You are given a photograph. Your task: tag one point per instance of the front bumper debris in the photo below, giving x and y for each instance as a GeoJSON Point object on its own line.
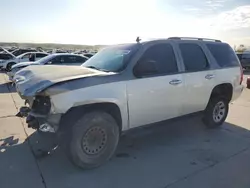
{"type": "Point", "coordinates": [23, 112]}
{"type": "Point", "coordinates": [38, 121]}
{"type": "Point", "coordinates": [11, 76]}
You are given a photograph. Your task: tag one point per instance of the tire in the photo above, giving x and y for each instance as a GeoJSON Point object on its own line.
{"type": "Point", "coordinates": [93, 140]}
{"type": "Point", "coordinates": [9, 65]}
{"type": "Point", "coordinates": [216, 112]}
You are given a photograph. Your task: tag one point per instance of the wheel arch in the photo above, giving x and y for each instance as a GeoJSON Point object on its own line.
{"type": "Point", "coordinates": [224, 90]}
{"type": "Point", "coordinates": [75, 112]}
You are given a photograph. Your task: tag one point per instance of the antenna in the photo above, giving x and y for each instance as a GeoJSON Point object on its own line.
{"type": "Point", "coordinates": [138, 39]}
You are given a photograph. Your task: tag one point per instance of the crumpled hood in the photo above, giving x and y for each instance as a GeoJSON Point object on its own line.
{"type": "Point", "coordinates": [34, 79]}
{"type": "Point", "coordinates": [23, 64]}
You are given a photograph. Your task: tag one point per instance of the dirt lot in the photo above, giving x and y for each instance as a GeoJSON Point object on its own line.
{"type": "Point", "coordinates": [175, 154]}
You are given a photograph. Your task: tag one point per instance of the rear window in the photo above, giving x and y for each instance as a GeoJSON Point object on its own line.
{"type": "Point", "coordinates": [223, 54]}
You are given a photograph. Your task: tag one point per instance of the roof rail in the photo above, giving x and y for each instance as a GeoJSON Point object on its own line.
{"type": "Point", "coordinates": [194, 38]}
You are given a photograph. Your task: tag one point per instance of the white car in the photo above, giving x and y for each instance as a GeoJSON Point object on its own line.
{"type": "Point", "coordinates": [127, 86]}
{"type": "Point", "coordinates": [28, 56]}
{"type": "Point", "coordinates": [53, 59]}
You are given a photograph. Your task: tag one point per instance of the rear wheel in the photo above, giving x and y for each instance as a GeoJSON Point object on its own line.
{"type": "Point", "coordinates": [9, 65]}
{"type": "Point", "coordinates": [216, 112]}
{"type": "Point", "coordinates": [93, 139]}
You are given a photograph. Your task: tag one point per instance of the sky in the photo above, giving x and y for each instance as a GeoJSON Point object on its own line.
{"type": "Point", "coordinates": [121, 21]}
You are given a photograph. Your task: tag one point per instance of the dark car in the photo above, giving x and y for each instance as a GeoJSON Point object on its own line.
{"type": "Point", "coordinates": [53, 59]}
{"type": "Point", "coordinates": [18, 52]}
{"type": "Point", "coordinates": [244, 59]}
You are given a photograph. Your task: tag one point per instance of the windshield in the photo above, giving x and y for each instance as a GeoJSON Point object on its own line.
{"type": "Point", "coordinates": [20, 56]}
{"type": "Point", "coordinates": [112, 59]}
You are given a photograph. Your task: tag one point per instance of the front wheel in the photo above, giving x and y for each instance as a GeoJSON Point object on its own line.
{"type": "Point", "coordinates": [216, 112]}
{"type": "Point", "coordinates": [9, 65]}
{"type": "Point", "coordinates": [93, 139]}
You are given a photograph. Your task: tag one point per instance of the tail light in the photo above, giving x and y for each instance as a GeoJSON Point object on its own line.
{"type": "Point", "coordinates": [241, 74]}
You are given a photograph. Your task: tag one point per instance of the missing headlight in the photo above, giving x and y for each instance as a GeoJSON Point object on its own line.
{"type": "Point", "coordinates": [41, 105]}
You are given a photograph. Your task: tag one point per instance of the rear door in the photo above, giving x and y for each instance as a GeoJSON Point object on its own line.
{"type": "Point", "coordinates": [198, 75]}
{"type": "Point", "coordinates": [155, 96]}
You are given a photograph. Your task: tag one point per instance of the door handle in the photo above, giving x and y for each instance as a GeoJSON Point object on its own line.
{"type": "Point", "coordinates": [175, 82]}
{"type": "Point", "coordinates": [209, 76]}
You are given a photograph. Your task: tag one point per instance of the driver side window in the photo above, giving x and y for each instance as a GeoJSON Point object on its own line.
{"type": "Point", "coordinates": [157, 60]}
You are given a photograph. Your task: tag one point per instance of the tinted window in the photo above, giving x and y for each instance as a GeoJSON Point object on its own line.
{"type": "Point", "coordinates": [245, 56]}
{"type": "Point", "coordinates": [223, 54]}
{"type": "Point", "coordinates": [162, 55]}
{"type": "Point", "coordinates": [88, 55]}
{"type": "Point", "coordinates": [74, 59]}
{"type": "Point", "coordinates": [5, 56]}
{"type": "Point", "coordinates": [40, 55]}
{"type": "Point", "coordinates": [81, 59]}
{"type": "Point", "coordinates": [193, 57]}
{"type": "Point", "coordinates": [70, 59]}
{"type": "Point", "coordinates": [57, 60]}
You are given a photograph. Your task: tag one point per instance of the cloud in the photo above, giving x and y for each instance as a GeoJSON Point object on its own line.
{"type": "Point", "coordinates": [214, 4]}
{"type": "Point", "coordinates": [204, 8]}
{"type": "Point", "coordinates": [237, 18]}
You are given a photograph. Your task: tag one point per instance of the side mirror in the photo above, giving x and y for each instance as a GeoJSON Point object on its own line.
{"type": "Point", "coordinates": [145, 68]}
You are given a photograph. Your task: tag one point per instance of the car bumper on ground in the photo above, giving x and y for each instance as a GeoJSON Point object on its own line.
{"type": "Point", "coordinates": [44, 123]}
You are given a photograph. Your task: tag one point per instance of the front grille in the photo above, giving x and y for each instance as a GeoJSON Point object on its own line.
{"type": "Point", "coordinates": [41, 105]}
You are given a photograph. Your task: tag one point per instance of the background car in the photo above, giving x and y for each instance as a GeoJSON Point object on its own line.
{"type": "Point", "coordinates": [28, 56]}
{"type": "Point", "coordinates": [53, 59]}
{"type": "Point", "coordinates": [89, 55]}
{"type": "Point", "coordinates": [244, 59]}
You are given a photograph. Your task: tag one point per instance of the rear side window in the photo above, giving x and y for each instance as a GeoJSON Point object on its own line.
{"type": "Point", "coordinates": [70, 59]}
{"type": "Point", "coordinates": [81, 59]}
{"type": "Point", "coordinates": [223, 54]}
{"type": "Point", "coordinates": [193, 57]}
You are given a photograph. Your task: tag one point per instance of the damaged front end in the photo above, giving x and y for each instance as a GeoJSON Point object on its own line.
{"type": "Point", "coordinates": [38, 114]}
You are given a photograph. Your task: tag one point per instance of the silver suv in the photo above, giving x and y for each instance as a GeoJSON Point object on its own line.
{"type": "Point", "coordinates": [127, 86]}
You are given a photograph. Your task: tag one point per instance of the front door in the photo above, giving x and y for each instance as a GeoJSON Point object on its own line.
{"type": "Point", "coordinates": [155, 95]}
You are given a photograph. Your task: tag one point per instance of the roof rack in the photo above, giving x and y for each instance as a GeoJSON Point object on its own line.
{"type": "Point", "coordinates": [194, 38]}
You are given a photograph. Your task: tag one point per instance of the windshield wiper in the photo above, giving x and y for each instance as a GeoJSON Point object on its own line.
{"type": "Point", "coordinates": [93, 67]}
